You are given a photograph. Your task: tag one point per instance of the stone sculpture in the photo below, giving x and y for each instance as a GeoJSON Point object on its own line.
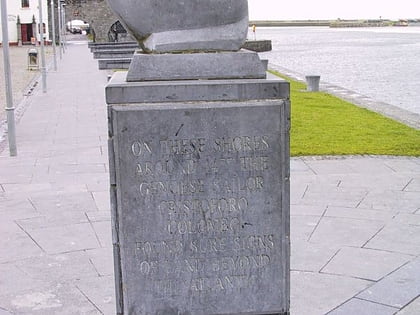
{"type": "Point", "coordinates": [162, 26]}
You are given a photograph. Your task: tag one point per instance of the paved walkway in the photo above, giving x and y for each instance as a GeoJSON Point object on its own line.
{"type": "Point", "coordinates": [355, 221]}
{"type": "Point", "coordinates": [21, 77]}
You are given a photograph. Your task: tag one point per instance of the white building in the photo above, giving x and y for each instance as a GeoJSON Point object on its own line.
{"type": "Point", "coordinates": [23, 21]}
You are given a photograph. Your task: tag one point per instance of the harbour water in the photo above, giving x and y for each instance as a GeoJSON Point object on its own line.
{"type": "Point", "coordinates": [382, 63]}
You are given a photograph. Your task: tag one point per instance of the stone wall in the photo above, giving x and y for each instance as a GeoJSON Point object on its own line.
{"type": "Point", "coordinates": [94, 12]}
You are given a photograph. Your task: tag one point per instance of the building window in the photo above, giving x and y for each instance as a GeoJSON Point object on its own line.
{"type": "Point", "coordinates": [25, 3]}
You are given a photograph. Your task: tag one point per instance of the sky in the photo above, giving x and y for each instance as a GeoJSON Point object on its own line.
{"type": "Point", "coordinates": [332, 9]}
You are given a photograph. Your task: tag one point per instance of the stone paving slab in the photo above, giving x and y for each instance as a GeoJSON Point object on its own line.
{"type": "Point", "coordinates": [315, 293]}
{"type": "Point", "coordinates": [355, 221]}
{"type": "Point", "coordinates": [398, 289]}
{"type": "Point", "coordinates": [361, 307]}
{"type": "Point", "coordinates": [412, 308]}
{"type": "Point", "coordinates": [345, 232]}
{"type": "Point", "coordinates": [365, 263]}
{"type": "Point", "coordinates": [408, 240]}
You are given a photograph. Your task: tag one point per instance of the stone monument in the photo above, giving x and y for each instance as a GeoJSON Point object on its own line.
{"type": "Point", "coordinates": [199, 166]}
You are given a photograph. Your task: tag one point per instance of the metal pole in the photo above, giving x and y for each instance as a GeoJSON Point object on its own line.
{"type": "Point", "coordinates": [10, 109]}
{"type": "Point", "coordinates": [41, 33]}
{"type": "Point", "coordinates": [63, 11]}
{"type": "Point", "coordinates": [53, 34]}
{"type": "Point", "coordinates": [60, 40]}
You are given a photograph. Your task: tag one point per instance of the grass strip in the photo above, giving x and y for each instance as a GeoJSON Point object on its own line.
{"type": "Point", "coordinates": [323, 124]}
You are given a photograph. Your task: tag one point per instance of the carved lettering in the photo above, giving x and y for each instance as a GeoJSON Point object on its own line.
{"type": "Point", "coordinates": [166, 167]}
{"type": "Point", "coordinates": [204, 226]}
{"type": "Point", "coordinates": [241, 144]}
{"type": "Point", "coordinates": [226, 283]}
{"type": "Point", "coordinates": [139, 148]}
{"type": "Point", "coordinates": [188, 187]}
{"type": "Point", "coordinates": [211, 208]}
{"type": "Point", "coordinates": [201, 190]}
{"type": "Point", "coordinates": [183, 146]}
{"type": "Point", "coordinates": [238, 184]}
{"type": "Point", "coordinates": [251, 163]}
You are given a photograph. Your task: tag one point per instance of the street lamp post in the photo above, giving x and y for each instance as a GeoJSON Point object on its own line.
{"type": "Point", "coordinates": [60, 27]}
{"type": "Point", "coordinates": [53, 34]}
{"type": "Point", "coordinates": [64, 28]}
{"type": "Point", "coordinates": [41, 33]}
{"type": "Point", "coordinates": [10, 109]}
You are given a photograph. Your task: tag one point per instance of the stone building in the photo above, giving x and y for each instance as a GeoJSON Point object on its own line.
{"type": "Point", "coordinates": [23, 22]}
{"type": "Point", "coordinates": [23, 16]}
{"type": "Point", "coordinates": [104, 24]}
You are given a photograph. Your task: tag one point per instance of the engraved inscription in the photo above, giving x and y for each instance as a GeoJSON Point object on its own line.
{"type": "Point", "coordinates": [202, 190]}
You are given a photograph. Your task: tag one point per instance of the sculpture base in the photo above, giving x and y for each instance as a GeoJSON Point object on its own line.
{"type": "Point", "coordinates": [186, 157]}
{"type": "Point", "coordinates": [219, 65]}
{"type": "Point", "coordinates": [216, 38]}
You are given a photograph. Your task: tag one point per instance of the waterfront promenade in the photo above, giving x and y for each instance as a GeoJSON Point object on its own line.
{"type": "Point", "coordinates": [355, 221]}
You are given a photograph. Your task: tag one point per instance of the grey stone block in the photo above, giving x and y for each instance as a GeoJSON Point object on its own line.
{"type": "Point", "coordinates": [208, 232]}
{"type": "Point", "coordinates": [258, 45]}
{"type": "Point", "coordinates": [114, 63]}
{"type": "Point", "coordinates": [114, 46]}
{"type": "Point", "coordinates": [119, 92]}
{"type": "Point", "coordinates": [221, 65]}
{"type": "Point", "coordinates": [93, 45]}
{"type": "Point", "coordinates": [114, 53]}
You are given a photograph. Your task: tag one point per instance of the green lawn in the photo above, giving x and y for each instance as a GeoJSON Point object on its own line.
{"type": "Point", "coordinates": [323, 124]}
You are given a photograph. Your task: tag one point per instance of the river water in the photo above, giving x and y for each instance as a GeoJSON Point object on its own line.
{"type": "Point", "coordinates": [382, 63]}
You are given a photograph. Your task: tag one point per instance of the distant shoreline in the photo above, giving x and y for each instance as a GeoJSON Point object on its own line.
{"type": "Point", "coordinates": [334, 23]}
{"type": "Point", "coordinates": [290, 23]}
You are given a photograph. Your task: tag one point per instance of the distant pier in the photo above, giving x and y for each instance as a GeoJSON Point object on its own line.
{"type": "Point", "coordinates": [335, 23]}
{"type": "Point", "coordinates": [290, 23]}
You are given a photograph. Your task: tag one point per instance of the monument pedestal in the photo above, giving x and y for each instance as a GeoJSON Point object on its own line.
{"type": "Point", "coordinates": [200, 195]}
{"type": "Point", "coordinates": [242, 64]}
